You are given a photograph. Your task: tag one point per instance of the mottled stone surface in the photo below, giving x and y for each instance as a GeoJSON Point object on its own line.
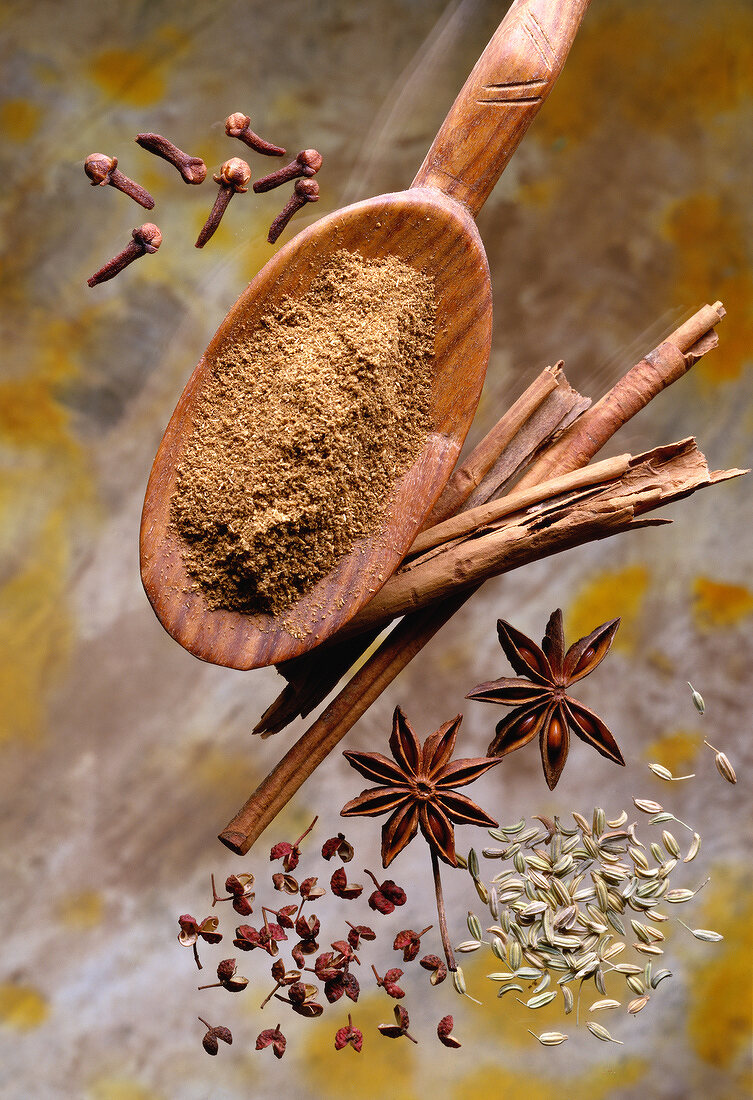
{"type": "Point", "coordinates": [626, 208]}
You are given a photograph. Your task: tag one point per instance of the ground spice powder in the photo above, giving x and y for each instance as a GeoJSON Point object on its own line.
{"type": "Point", "coordinates": [301, 432]}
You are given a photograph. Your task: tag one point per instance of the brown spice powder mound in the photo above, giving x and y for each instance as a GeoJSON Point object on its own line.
{"type": "Point", "coordinates": [301, 432]}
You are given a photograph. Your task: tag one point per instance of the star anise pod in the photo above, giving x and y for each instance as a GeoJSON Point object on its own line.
{"type": "Point", "coordinates": [417, 788]}
{"type": "Point", "coordinates": [542, 704]}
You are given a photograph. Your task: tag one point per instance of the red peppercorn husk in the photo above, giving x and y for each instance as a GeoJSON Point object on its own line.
{"type": "Point", "coordinates": [302, 999]}
{"type": "Point", "coordinates": [240, 893]}
{"type": "Point", "coordinates": [341, 888]}
{"type": "Point", "coordinates": [309, 889]}
{"type": "Point", "coordinates": [328, 966]}
{"type": "Point", "coordinates": [338, 846]}
{"type": "Point", "coordinates": [400, 1027]}
{"type": "Point", "coordinates": [359, 932]}
{"type": "Point", "coordinates": [285, 883]}
{"type": "Point", "coordinates": [209, 1042]}
{"type": "Point", "coordinates": [287, 853]}
{"type": "Point", "coordinates": [285, 916]}
{"type": "Point", "coordinates": [409, 942]}
{"type": "Point", "coordinates": [226, 969]}
{"type": "Point", "coordinates": [386, 896]}
{"type": "Point", "coordinates": [389, 982]}
{"type": "Point", "coordinates": [290, 853]}
{"type": "Point", "coordinates": [438, 968]}
{"type": "Point", "coordinates": [272, 1037]}
{"type": "Point", "coordinates": [444, 1032]}
{"type": "Point", "coordinates": [349, 1035]}
{"type": "Point", "coordinates": [346, 983]}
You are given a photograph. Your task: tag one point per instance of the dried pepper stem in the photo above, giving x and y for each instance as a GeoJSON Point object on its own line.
{"type": "Point", "coordinates": [270, 995]}
{"type": "Point", "coordinates": [306, 832]}
{"type": "Point", "coordinates": [448, 953]}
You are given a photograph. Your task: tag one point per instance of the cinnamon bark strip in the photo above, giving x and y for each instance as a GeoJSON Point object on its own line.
{"type": "Point", "coordinates": [582, 514]}
{"type": "Point", "coordinates": [415, 630]}
{"type": "Point", "coordinates": [546, 406]}
{"type": "Point", "coordinates": [468, 476]}
{"type": "Point", "coordinates": [475, 518]}
{"type": "Point", "coordinates": [646, 486]}
{"type": "Point", "coordinates": [659, 369]}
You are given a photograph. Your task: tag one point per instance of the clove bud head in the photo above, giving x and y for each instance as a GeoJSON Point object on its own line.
{"type": "Point", "coordinates": [98, 167]}
{"type": "Point", "coordinates": [234, 173]}
{"type": "Point", "coordinates": [148, 235]}
{"type": "Point", "coordinates": [236, 123]}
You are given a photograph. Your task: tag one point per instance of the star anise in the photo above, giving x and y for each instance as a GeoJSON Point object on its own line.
{"type": "Point", "coordinates": [542, 704]}
{"type": "Point", "coordinates": [417, 788]}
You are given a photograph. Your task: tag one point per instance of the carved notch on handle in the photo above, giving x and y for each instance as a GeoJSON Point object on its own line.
{"type": "Point", "coordinates": [500, 99]}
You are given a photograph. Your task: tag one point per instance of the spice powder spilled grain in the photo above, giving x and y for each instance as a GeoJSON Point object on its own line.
{"type": "Point", "coordinates": [301, 432]}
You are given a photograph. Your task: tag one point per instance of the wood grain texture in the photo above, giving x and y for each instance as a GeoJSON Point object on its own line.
{"type": "Point", "coordinates": [434, 235]}
{"type": "Point", "coordinates": [500, 99]}
{"type": "Point", "coordinates": [430, 227]}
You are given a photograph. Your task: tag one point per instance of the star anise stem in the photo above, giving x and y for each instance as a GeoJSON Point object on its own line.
{"type": "Point", "coordinates": [448, 952]}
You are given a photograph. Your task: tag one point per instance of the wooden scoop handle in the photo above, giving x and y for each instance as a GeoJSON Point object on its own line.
{"type": "Point", "coordinates": [500, 99]}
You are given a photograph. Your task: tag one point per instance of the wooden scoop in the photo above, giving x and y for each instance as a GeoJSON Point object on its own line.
{"type": "Point", "coordinates": [430, 227]}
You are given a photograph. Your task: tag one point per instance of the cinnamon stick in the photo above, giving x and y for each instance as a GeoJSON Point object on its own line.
{"type": "Point", "coordinates": [479, 462]}
{"type": "Point", "coordinates": [580, 515]}
{"type": "Point", "coordinates": [475, 518]}
{"type": "Point", "coordinates": [273, 793]}
{"type": "Point", "coordinates": [657, 370]}
{"type": "Point", "coordinates": [655, 478]}
{"type": "Point", "coordinates": [546, 406]}
{"type": "Point", "coordinates": [415, 630]}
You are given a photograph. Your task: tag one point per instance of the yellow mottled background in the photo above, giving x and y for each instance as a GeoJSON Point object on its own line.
{"type": "Point", "coordinates": [626, 208]}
